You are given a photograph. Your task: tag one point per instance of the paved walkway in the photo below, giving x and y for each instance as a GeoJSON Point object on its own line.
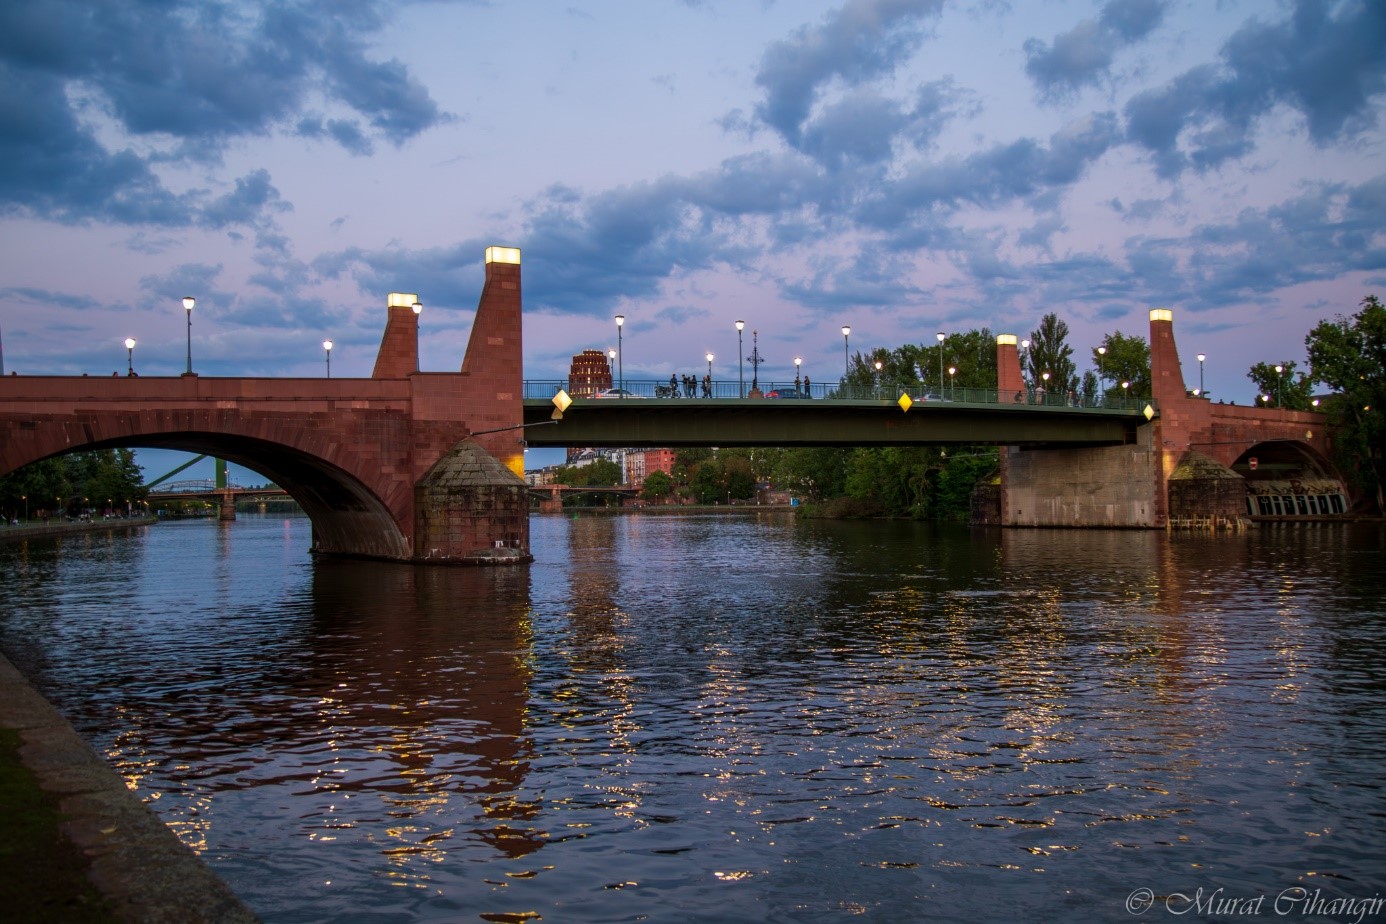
{"type": "Point", "coordinates": [136, 862]}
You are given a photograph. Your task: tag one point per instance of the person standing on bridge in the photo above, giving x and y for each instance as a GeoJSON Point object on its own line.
{"type": "Point", "coordinates": [707, 386]}
{"type": "Point", "coordinates": [808, 390]}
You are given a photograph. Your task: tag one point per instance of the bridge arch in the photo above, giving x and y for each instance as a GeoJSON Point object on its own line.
{"type": "Point", "coordinates": [1289, 477]}
{"type": "Point", "coordinates": [349, 516]}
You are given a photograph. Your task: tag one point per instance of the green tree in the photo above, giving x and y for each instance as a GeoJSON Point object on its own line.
{"type": "Point", "coordinates": [105, 477]}
{"type": "Point", "coordinates": [1050, 353]}
{"type": "Point", "coordinates": [598, 473]}
{"type": "Point", "coordinates": [1349, 356]}
{"type": "Point", "coordinates": [1119, 358]}
{"type": "Point", "coordinates": [1277, 385]}
{"type": "Point", "coordinates": [657, 486]}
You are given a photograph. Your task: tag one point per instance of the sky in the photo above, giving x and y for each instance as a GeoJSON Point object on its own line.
{"type": "Point", "coordinates": [899, 166]}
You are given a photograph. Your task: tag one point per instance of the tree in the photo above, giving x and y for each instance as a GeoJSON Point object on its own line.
{"type": "Point", "coordinates": [657, 486]}
{"type": "Point", "coordinates": [1050, 353]}
{"type": "Point", "coordinates": [1349, 356]}
{"type": "Point", "coordinates": [1120, 358]}
{"type": "Point", "coordinates": [598, 473]}
{"type": "Point", "coordinates": [1281, 388]}
{"type": "Point", "coordinates": [106, 477]}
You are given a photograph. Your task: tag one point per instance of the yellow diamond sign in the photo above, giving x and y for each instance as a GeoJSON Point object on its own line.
{"type": "Point", "coordinates": [560, 404]}
{"type": "Point", "coordinates": [905, 402]}
{"type": "Point", "coordinates": [1149, 412]}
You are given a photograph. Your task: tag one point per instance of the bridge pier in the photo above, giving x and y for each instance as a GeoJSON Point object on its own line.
{"type": "Point", "coordinates": [227, 511]}
{"type": "Point", "coordinates": [1184, 464]}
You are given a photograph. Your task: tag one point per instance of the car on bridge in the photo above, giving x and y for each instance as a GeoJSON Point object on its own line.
{"type": "Point", "coordinates": [786, 393]}
{"type": "Point", "coordinates": [616, 393]}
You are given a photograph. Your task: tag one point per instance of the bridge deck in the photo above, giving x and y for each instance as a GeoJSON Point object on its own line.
{"type": "Point", "coordinates": [637, 422]}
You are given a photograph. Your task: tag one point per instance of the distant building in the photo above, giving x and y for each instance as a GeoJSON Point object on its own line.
{"type": "Point", "coordinates": [641, 463]}
{"type": "Point", "coordinates": [589, 374]}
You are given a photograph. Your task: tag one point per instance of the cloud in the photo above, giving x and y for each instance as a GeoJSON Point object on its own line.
{"type": "Point", "coordinates": [863, 41]}
{"type": "Point", "coordinates": [1329, 68]}
{"type": "Point", "coordinates": [1083, 55]}
{"type": "Point", "coordinates": [180, 80]}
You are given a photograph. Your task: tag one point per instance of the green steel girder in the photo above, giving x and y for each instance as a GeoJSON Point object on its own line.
{"type": "Point", "coordinates": [721, 422]}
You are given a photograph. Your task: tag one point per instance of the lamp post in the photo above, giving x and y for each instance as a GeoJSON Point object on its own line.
{"type": "Point", "coordinates": [846, 363]}
{"type": "Point", "coordinates": [1279, 370]}
{"type": "Point", "coordinates": [188, 302]}
{"type": "Point", "coordinates": [129, 355]}
{"type": "Point", "coordinates": [952, 371]}
{"type": "Point", "coordinates": [709, 366]}
{"type": "Point", "coordinates": [1124, 391]}
{"type": "Point", "coordinates": [327, 354]}
{"type": "Point", "coordinates": [740, 375]}
{"type": "Point", "coordinates": [25, 498]}
{"type": "Point", "coordinates": [419, 309]}
{"type": "Point", "coordinates": [1101, 376]}
{"type": "Point", "coordinates": [798, 361]}
{"type": "Point", "coordinates": [878, 378]}
{"type": "Point", "coordinates": [612, 355]}
{"type": "Point", "coordinates": [1201, 358]}
{"type": "Point", "coordinates": [1044, 376]}
{"type": "Point", "coordinates": [620, 359]}
{"type": "Point", "coordinates": [1025, 361]}
{"type": "Point", "coordinates": [940, 360]}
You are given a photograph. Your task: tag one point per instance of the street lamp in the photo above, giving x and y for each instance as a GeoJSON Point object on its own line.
{"type": "Point", "coordinates": [418, 310]}
{"type": "Point", "coordinates": [952, 371]}
{"type": "Point", "coordinates": [798, 361]}
{"type": "Point", "coordinates": [1045, 386]}
{"type": "Point", "coordinates": [188, 302]}
{"type": "Point", "coordinates": [1101, 376]}
{"type": "Point", "coordinates": [1201, 358]}
{"type": "Point", "coordinates": [1278, 370]}
{"type": "Point", "coordinates": [327, 354]}
{"type": "Point", "coordinates": [1124, 392]}
{"type": "Point", "coordinates": [940, 360]}
{"type": "Point", "coordinates": [846, 363]}
{"type": "Point", "coordinates": [129, 355]}
{"type": "Point", "coordinates": [709, 365]}
{"type": "Point", "coordinates": [25, 498]}
{"type": "Point", "coordinates": [620, 359]}
{"type": "Point", "coordinates": [740, 376]}
{"type": "Point", "coordinates": [878, 378]}
{"type": "Point", "coordinates": [1025, 349]}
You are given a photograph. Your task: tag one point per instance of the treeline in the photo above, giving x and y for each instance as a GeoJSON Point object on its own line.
{"type": "Point", "coordinates": [80, 482]}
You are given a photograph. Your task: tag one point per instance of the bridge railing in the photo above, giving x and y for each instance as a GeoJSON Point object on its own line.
{"type": "Point", "coordinates": [919, 392]}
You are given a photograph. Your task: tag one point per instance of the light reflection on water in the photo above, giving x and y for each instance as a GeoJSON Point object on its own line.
{"type": "Point", "coordinates": [732, 717]}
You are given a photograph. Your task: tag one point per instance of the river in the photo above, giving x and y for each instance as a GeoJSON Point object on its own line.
{"type": "Point", "coordinates": [739, 718]}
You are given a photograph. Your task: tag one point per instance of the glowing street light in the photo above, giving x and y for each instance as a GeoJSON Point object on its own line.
{"type": "Point", "coordinates": [952, 371]}
{"type": "Point", "coordinates": [327, 354]}
{"type": "Point", "coordinates": [940, 360]}
{"type": "Point", "coordinates": [740, 376]}
{"type": "Point", "coordinates": [846, 363]}
{"type": "Point", "coordinates": [1279, 370]}
{"type": "Point", "coordinates": [709, 365]}
{"type": "Point", "coordinates": [620, 360]}
{"type": "Point", "coordinates": [1101, 376]}
{"type": "Point", "coordinates": [1201, 358]}
{"type": "Point", "coordinates": [798, 361]}
{"type": "Point", "coordinates": [188, 303]}
{"type": "Point", "coordinates": [129, 355]}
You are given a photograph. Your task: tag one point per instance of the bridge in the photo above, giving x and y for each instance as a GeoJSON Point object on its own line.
{"type": "Point", "coordinates": [426, 467]}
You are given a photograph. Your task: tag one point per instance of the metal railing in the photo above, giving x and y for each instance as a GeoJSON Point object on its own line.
{"type": "Point", "coordinates": [540, 389]}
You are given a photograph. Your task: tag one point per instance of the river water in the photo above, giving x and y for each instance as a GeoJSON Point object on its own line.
{"type": "Point", "coordinates": [739, 718]}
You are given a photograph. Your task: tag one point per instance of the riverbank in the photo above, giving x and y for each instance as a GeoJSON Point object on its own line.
{"type": "Point", "coordinates": [75, 843]}
{"type": "Point", "coordinates": [34, 529]}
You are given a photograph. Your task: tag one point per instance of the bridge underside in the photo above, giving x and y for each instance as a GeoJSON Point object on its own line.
{"type": "Point", "coordinates": [348, 519]}
{"type": "Point", "coordinates": [715, 422]}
